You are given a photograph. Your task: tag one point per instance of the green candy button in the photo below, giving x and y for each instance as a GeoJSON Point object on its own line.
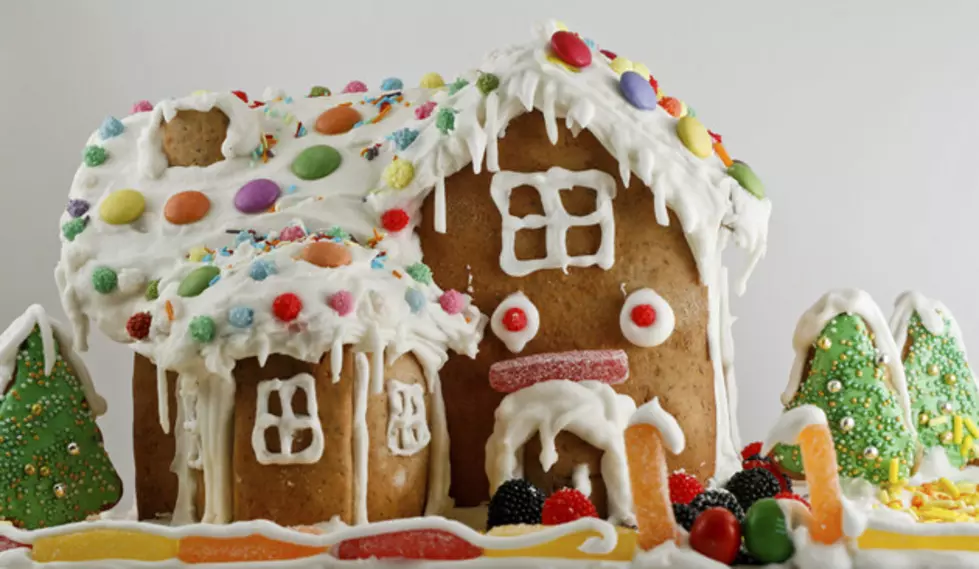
{"type": "Point", "coordinates": [766, 534]}
{"type": "Point", "coordinates": [316, 162]}
{"type": "Point", "coordinates": [197, 281]}
{"type": "Point", "coordinates": [747, 178]}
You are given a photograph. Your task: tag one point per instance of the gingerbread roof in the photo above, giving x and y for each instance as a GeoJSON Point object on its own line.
{"type": "Point", "coordinates": [353, 168]}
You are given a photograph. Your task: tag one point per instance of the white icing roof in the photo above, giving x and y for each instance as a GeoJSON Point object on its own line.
{"type": "Point", "coordinates": [17, 333]}
{"type": "Point", "coordinates": [711, 206]}
{"type": "Point", "coordinates": [933, 315]}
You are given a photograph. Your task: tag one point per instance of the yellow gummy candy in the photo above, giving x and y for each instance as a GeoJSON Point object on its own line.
{"type": "Point", "coordinates": [957, 429]}
{"type": "Point", "coordinates": [949, 487]}
{"type": "Point", "coordinates": [98, 545]}
{"type": "Point", "coordinates": [971, 427]}
{"type": "Point", "coordinates": [966, 446]}
{"type": "Point", "coordinates": [894, 474]}
{"type": "Point", "coordinates": [566, 547]}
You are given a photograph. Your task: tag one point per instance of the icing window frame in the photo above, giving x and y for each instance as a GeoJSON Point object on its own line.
{"type": "Point", "coordinates": [289, 423]}
{"type": "Point", "coordinates": [556, 221]}
{"type": "Point", "coordinates": [408, 432]}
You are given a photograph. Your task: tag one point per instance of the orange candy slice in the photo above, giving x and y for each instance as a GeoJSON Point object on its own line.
{"type": "Point", "coordinates": [200, 549]}
{"type": "Point", "coordinates": [819, 457]}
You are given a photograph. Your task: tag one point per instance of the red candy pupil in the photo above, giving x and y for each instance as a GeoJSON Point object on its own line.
{"type": "Point", "coordinates": [644, 315]}
{"type": "Point", "coordinates": [515, 320]}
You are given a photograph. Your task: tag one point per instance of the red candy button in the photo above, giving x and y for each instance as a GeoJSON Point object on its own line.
{"type": "Point", "coordinates": [643, 315]}
{"type": "Point", "coordinates": [515, 320]}
{"type": "Point", "coordinates": [570, 49]}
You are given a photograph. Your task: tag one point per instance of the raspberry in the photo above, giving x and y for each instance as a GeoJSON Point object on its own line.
{"type": "Point", "coordinates": [749, 486]}
{"type": "Point", "coordinates": [685, 515]}
{"type": "Point", "coordinates": [791, 496]}
{"type": "Point", "coordinates": [717, 498]}
{"type": "Point", "coordinates": [783, 481]}
{"type": "Point", "coordinates": [684, 488]}
{"type": "Point", "coordinates": [515, 502]}
{"type": "Point", "coordinates": [752, 450]}
{"type": "Point", "coordinates": [138, 325]}
{"type": "Point", "coordinates": [567, 505]}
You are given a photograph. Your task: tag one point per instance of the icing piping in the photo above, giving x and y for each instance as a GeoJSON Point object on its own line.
{"type": "Point", "coordinates": [581, 478]}
{"type": "Point", "coordinates": [288, 424]}
{"type": "Point", "coordinates": [408, 431]}
{"type": "Point", "coordinates": [652, 413]}
{"type": "Point", "coordinates": [658, 331]}
{"type": "Point", "coordinates": [516, 340]}
{"type": "Point", "coordinates": [361, 438]}
{"type": "Point", "coordinates": [590, 410]}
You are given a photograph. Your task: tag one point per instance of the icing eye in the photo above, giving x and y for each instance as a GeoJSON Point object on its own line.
{"type": "Point", "coordinates": [646, 319]}
{"type": "Point", "coordinates": [515, 321]}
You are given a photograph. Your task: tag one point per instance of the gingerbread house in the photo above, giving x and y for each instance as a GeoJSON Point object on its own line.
{"type": "Point", "coordinates": [271, 263]}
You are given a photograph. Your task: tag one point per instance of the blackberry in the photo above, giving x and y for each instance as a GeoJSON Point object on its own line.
{"type": "Point", "coordinates": [515, 502]}
{"type": "Point", "coordinates": [685, 515]}
{"type": "Point", "coordinates": [717, 498]}
{"type": "Point", "coordinates": [749, 486]}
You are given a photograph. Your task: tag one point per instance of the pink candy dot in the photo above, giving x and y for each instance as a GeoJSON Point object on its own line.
{"type": "Point", "coordinates": [342, 302]}
{"type": "Point", "coordinates": [452, 301]}
{"type": "Point", "coordinates": [292, 233]}
{"type": "Point", "coordinates": [143, 106]}
{"type": "Point", "coordinates": [355, 87]}
{"type": "Point", "coordinates": [425, 110]}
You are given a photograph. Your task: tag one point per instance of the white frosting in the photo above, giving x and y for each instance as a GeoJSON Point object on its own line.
{"type": "Point", "coordinates": [933, 315]}
{"type": "Point", "coordinates": [581, 478]}
{"type": "Point", "coordinates": [652, 413]}
{"type": "Point", "coordinates": [790, 425]}
{"type": "Point", "coordinates": [408, 431]}
{"type": "Point", "coordinates": [288, 424]}
{"type": "Point", "coordinates": [662, 326]}
{"type": "Point", "coordinates": [18, 332]}
{"type": "Point", "coordinates": [516, 341]}
{"type": "Point", "coordinates": [555, 221]}
{"type": "Point", "coordinates": [361, 436]}
{"type": "Point", "coordinates": [849, 301]}
{"type": "Point", "coordinates": [591, 410]}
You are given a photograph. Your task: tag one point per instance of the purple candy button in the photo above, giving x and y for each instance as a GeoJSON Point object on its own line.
{"type": "Point", "coordinates": [637, 91]}
{"type": "Point", "coordinates": [77, 208]}
{"type": "Point", "coordinates": [257, 196]}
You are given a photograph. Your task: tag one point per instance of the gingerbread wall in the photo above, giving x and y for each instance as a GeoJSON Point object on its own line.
{"type": "Point", "coordinates": [578, 310]}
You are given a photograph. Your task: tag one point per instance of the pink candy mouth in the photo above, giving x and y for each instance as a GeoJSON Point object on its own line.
{"type": "Point", "coordinates": [607, 366]}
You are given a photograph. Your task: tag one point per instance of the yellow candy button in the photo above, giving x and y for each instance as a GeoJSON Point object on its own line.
{"type": "Point", "coordinates": [431, 81]}
{"type": "Point", "coordinates": [97, 545]}
{"type": "Point", "coordinates": [694, 136]}
{"type": "Point", "coordinates": [122, 207]}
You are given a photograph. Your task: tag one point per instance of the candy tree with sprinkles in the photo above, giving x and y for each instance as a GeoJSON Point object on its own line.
{"type": "Point", "coordinates": [848, 378]}
{"type": "Point", "coordinates": [941, 386]}
{"type": "Point", "coordinates": [53, 467]}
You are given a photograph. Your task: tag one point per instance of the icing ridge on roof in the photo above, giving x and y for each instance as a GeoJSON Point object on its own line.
{"type": "Point", "coordinates": [933, 314]}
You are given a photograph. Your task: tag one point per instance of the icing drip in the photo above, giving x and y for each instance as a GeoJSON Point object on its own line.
{"type": "Point", "coordinates": [184, 511]}
{"type": "Point", "coordinates": [216, 415]}
{"type": "Point", "coordinates": [360, 436]}
{"type": "Point", "coordinates": [581, 478]}
{"type": "Point", "coordinates": [652, 413]}
{"type": "Point", "coordinates": [556, 221]}
{"type": "Point", "coordinates": [590, 410]}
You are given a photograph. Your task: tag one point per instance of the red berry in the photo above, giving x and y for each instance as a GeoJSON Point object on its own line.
{"type": "Point", "coordinates": [644, 315]}
{"type": "Point", "coordinates": [427, 544]}
{"type": "Point", "coordinates": [716, 534]}
{"type": "Point", "coordinates": [684, 488]}
{"type": "Point", "coordinates": [791, 496]}
{"type": "Point", "coordinates": [241, 95]}
{"type": "Point", "coordinates": [769, 467]}
{"type": "Point", "coordinates": [717, 138]}
{"type": "Point", "coordinates": [138, 325]}
{"type": "Point", "coordinates": [654, 84]}
{"type": "Point", "coordinates": [515, 319]}
{"type": "Point", "coordinates": [567, 505]}
{"type": "Point", "coordinates": [286, 307]}
{"type": "Point", "coordinates": [751, 450]}
{"type": "Point", "coordinates": [395, 219]}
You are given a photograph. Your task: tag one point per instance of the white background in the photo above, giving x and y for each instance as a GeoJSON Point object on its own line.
{"type": "Point", "coordinates": [861, 118]}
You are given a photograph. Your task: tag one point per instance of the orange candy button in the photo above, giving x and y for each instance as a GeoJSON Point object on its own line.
{"type": "Point", "coordinates": [198, 549]}
{"type": "Point", "coordinates": [326, 254]}
{"type": "Point", "coordinates": [186, 207]}
{"type": "Point", "coordinates": [337, 120]}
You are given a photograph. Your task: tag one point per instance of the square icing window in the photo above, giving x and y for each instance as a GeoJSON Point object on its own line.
{"type": "Point", "coordinates": [578, 204]}
{"type": "Point", "coordinates": [408, 431]}
{"type": "Point", "coordinates": [287, 408]}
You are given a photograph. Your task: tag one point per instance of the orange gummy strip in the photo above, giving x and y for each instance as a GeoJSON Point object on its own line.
{"type": "Point", "coordinates": [650, 486]}
{"type": "Point", "coordinates": [200, 549]}
{"type": "Point", "coordinates": [722, 154]}
{"type": "Point", "coordinates": [816, 444]}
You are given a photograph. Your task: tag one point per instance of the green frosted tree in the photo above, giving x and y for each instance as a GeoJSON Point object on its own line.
{"type": "Point", "coordinates": [942, 390]}
{"type": "Point", "coordinates": [848, 379]}
{"type": "Point", "coordinates": [53, 467]}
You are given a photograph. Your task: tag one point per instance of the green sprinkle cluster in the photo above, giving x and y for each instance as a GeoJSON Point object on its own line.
{"type": "Point", "coordinates": [319, 91]}
{"type": "Point", "coordinates": [487, 83]}
{"type": "Point", "coordinates": [94, 156]}
{"type": "Point", "coordinates": [445, 120]}
{"type": "Point", "coordinates": [104, 280]}
{"type": "Point", "coordinates": [74, 228]}
{"type": "Point", "coordinates": [457, 85]}
{"type": "Point", "coordinates": [420, 272]}
{"type": "Point", "coordinates": [203, 329]}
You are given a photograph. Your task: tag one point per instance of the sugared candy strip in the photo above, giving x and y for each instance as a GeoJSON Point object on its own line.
{"type": "Point", "coordinates": [427, 544]}
{"type": "Point", "coordinates": [98, 545]}
{"type": "Point", "coordinates": [201, 549]}
{"type": "Point", "coordinates": [606, 366]}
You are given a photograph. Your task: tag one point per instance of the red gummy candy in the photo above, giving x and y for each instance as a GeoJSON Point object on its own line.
{"type": "Point", "coordinates": [427, 544]}
{"type": "Point", "coordinates": [606, 366]}
{"type": "Point", "coordinates": [6, 544]}
{"type": "Point", "coordinates": [684, 488]}
{"type": "Point", "coordinates": [751, 450]}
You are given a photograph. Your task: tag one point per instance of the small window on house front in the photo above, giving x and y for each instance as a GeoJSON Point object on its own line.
{"type": "Point", "coordinates": [287, 426]}
{"type": "Point", "coordinates": [579, 203]}
{"type": "Point", "coordinates": [407, 420]}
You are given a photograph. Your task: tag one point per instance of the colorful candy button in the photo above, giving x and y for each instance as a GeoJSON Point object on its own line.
{"type": "Point", "coordinates": [316, 162]}
{"type": "Point", "coordinates": [694, 136]}
{"type": "Point", "coordinates": [337, 120]}
{"type": "Point", "coordinates": [637, 91]}
{"type": "Point", "coordinates": [570, 49]}
{"type": "Point", "coordinates": [326, 254]}
{"type": "Point", "coordinates": [257, 196]}
{"type": "Point", "coordinates": [197, 281]}
{"type": "Point", "coordinates": [399, 174]}
{"type": "Point", "coordinates": [431, 81]}
{"type": "Point", "coordinates": [186, 207]}
{"type": "Point", "coordinates": [122, 207]}
{"type": "Point", "coordinates": [747, 178]}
